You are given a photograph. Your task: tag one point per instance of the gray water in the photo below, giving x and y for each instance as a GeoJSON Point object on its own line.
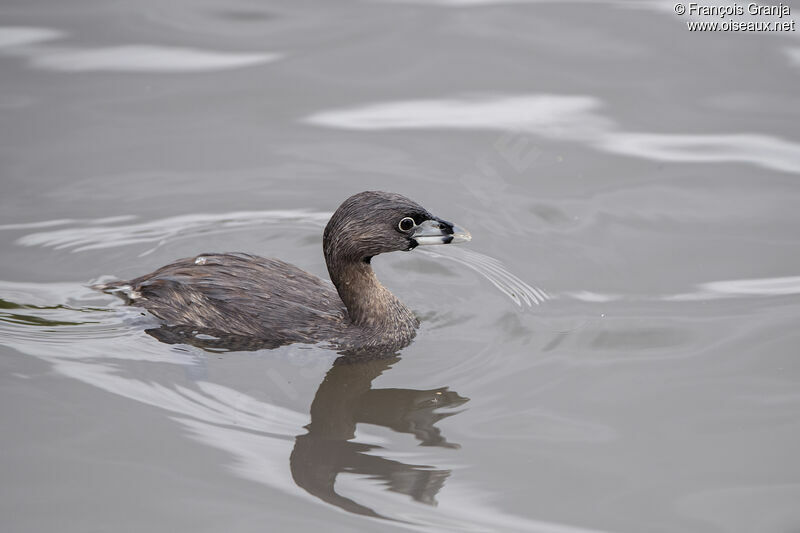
{"type": "Point", "coordinates": [626, 362]}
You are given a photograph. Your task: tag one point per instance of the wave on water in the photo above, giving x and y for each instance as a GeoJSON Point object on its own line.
{"type": "Point", "coordinates": [575, 118]}
{"type": "Point", "coordinates": [782, 286]}
{"type": "Point", "coordinates": [34, 44]}
{"type": "Point", "coordinates": [712, 290]}
{"type": "Point", "coordinates": [99, 234]}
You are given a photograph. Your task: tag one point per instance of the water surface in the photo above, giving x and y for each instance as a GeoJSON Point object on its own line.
{"type": "Point", "coordinates": [616, 349]}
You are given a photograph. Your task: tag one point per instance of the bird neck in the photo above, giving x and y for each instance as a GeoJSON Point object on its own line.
{"type": "Point", "coordinates": [368, 302]}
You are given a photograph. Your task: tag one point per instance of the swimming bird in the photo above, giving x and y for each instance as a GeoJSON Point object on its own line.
{"type": "Point", "coordinates": [268, 302]}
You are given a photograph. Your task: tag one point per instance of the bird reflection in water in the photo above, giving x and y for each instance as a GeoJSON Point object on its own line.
{"type": "Point", "coordinates": [346, 398]}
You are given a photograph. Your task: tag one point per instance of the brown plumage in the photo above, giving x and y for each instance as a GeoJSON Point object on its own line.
{"type": "Point", "coordinates": [253, 302]}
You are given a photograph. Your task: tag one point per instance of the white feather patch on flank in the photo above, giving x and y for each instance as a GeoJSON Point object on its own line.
{"type": "Point", "coordinates": [127, 290]}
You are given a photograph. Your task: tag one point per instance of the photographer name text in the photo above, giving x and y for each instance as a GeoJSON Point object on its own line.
{"type": "Point", "coordinates": [777, 12]}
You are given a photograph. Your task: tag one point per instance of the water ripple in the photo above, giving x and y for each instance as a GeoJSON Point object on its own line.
{"type": "Point", "coordinates": [565, 118]}
{"type": "Point", "coordinates": [97, 234]}
{"type": "Point", "coordinates": [27, 42]}
{"type": "Point", "coordinates": [712, 290]}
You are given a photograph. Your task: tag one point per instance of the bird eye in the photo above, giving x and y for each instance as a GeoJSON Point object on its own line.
{"type": "Point", "coordinates": [406, 224]}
